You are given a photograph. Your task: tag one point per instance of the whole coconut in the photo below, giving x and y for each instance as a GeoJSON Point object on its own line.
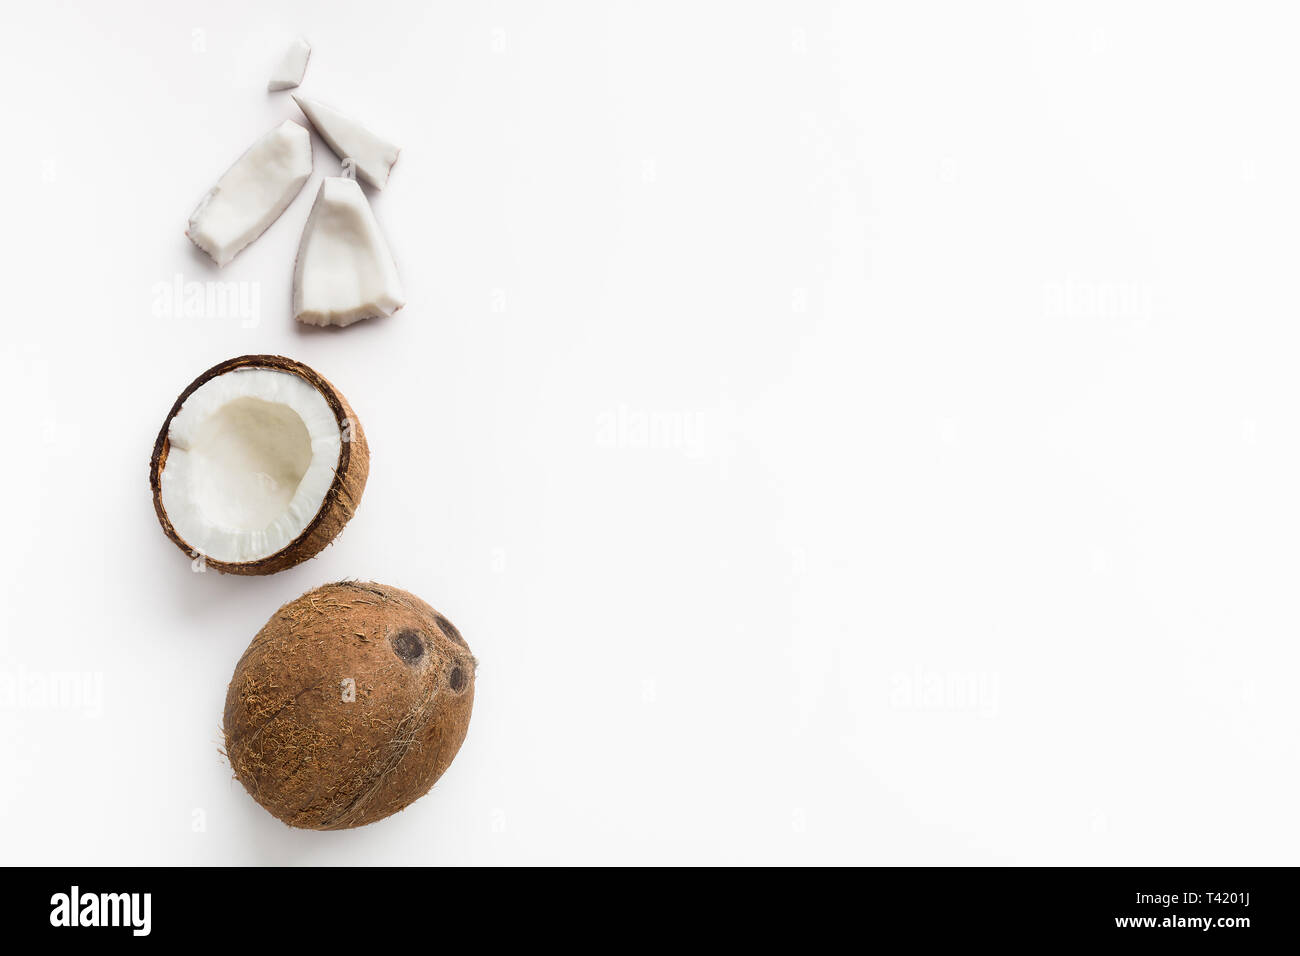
{"type": "Point", "coordinates": [348, 705]}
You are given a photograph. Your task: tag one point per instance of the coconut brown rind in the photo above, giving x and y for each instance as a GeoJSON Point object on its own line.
{"type": "Point", "coordinates": [340, 501]}
{"type": "Point", "coordinates": [348, 705]}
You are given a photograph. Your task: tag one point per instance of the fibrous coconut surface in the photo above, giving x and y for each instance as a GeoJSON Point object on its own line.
{"type": "Point", "coordinates": [348, 705]}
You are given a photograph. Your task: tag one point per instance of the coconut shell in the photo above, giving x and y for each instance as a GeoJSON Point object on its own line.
{"type": "Point", "coordinates": [348, 705]}
{"type": "Point", "coordinates": [340, 502]}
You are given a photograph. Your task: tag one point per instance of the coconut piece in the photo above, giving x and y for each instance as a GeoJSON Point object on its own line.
{"type": "Point", "coordinates": [372, 155]}
{"type": "Point", "coordinates": [252, 193]}
{"type": "Point", "coordinates": [344, 271]}
{"type": "Point", "coordinates": [348, 705]}
{"type": "Point", "coordinates": [258, 466]}
{"type": "Point", "coordinates": [292, 66]}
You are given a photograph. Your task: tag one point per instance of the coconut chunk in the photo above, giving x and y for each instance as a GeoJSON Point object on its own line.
{"type": "Point", "coordinates": [372, 155]}
{"type": "Point", "coordinates": [252, 193]}
{"type": "Point", "coordinates": [344, 271]}
{"type": "Point", "coordinates": [258, 466]}
{"type": "Point", "coordinates": [292, 66]}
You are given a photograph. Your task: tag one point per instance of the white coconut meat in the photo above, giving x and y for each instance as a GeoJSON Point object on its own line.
{"type": "Point", "coordinates": [252, 193]}
{"type": "Point", "coordinates": [344, 271]}
{"type": "Point", "coordinates": [372, 155]}
{"type": "Point", "coordinates": [289, 72]}
{"type": "Point", "coordinates": [252, 456]}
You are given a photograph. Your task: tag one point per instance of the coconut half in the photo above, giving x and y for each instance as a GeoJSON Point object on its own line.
{"type": "Point", "coordinates": [372, 155]}
{"type": "Point", "coordinates": [252, 193]}
{"type": "Point", "coordinates": [289, 72]}
{"type": "Point", "coordinates": [259, 465]}
{"type": "Point", "coordinates": [344, 271]}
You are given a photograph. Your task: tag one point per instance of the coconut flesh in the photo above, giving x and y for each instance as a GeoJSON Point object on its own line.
{"type": "Point", "coordinates": [344, 271]}
{"type": "Point", "coordinates": [252, 193]}
{"type": "Point", "coordinates": [348, 705]}
{"type": "Point", "coordinates": [249, 461]}
{"type": "Point", "coordinates": [371, 154]}
{"type": "Point", "coordinates": [293, 64]}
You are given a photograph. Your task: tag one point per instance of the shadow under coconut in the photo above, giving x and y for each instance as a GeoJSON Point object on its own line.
{"type": "Point", "coordinates": [193, 594]}
{"type": "Point", "coordinates": [200, 259]}
{"type": "Point", "coordinates": [264, 840]}
{"type": "Point", "coordinates": [267, 841]}
{"type": "Point", "coordinates": [307, 330]}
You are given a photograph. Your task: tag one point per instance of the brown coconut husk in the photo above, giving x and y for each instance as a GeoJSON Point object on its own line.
{"type": "Point", "coordinates": [340, 502]}
{"type": "Point", "coordinates": [318, 760]}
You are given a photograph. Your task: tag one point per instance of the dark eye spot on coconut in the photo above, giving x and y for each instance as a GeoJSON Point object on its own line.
{"type": "Point", "coordinates": [449, 629]}
{"type": "Point", "coordinates": [457, 680]}
{"type": "Point", "coordinates": [408, 646]}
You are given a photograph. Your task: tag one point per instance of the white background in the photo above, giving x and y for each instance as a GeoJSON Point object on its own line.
{"type": "Point", "coordinates": [844, 432]}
